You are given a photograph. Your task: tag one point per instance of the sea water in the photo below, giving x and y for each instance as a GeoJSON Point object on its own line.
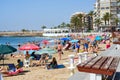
{"type": "Point", "coordinates": [14, 41]}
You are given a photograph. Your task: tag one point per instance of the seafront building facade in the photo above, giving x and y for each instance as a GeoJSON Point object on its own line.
{"type": "Point", "coordinates": [107, 6]}
{"type": "Point", "coordinates": [56, 32]}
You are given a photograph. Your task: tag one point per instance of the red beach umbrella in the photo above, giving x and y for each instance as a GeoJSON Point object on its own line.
{"type": "Point", "coordinates": [45, 42]}
{"type": "Point", "coordinates": [29, 46]}
{"type": "Point", "coordinates": [92, 37]}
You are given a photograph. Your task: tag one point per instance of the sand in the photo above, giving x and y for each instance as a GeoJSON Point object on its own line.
{"type": "Point", "coordinates": [40, 73]}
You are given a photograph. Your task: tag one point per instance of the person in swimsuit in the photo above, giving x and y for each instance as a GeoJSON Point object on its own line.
{"type": "Point", "coordinates": [59, 49]}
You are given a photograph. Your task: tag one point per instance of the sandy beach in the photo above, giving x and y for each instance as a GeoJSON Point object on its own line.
{"type": "Point", "coordinates": [40, 73]}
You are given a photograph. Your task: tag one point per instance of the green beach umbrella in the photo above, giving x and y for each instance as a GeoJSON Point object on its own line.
{"type": "Point", "coordinates": [6, 49]}
{"type": "Point", "coordinates": [46, 50]}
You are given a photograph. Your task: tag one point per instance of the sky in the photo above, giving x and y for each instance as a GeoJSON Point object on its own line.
{"type": "Point", "coordinates": [16, 15]}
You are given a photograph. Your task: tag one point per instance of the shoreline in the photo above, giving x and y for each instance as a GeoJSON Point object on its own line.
{"type": "Point", "coordinates": [20, 34]}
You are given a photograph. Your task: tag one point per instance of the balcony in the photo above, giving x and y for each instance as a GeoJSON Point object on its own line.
{"type": "Point", "coordinates": [113, 8]}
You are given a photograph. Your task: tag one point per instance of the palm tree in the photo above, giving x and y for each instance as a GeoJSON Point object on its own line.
{"type": "Point", "coordinates": [106, 17]}
{"type": "Point", "coordinates": [76, 22]}
{"type": "Point", "coordinates": [59, 26]}
{"type": "Point", "coordinates": [91, 13]}
{"type": "Point", "coordinates": [68, 25]}
{"type": "Point", "coordinates": [55, 27]}
{"type": "Point", "coordinates": [73, 22]}
{"type": "Point", "coordinates": [116, 20]}
{"type": "Point", "coordinates": [63, 25]}
{"type": "Point", "coordinates": [23, 30]}
{"type": "Point", "coordinates": [43, 27]}
{"type": "Point", "coordinates": [80, 20]}
{"type": "Point", "coordinates": [98, 22]}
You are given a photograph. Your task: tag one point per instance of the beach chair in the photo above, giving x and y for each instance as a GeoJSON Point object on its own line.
{"type": "Point", "coordinates": [11, 67]}
{"type": "Point", "coordinates": [27, 62]}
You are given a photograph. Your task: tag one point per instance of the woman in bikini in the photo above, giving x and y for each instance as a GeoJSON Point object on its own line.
{"type": "Point", "coordinates": [59, 48]}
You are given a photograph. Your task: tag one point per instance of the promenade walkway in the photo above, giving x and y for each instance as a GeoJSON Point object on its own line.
{"type": "Point", "coordinates": [112, 51]}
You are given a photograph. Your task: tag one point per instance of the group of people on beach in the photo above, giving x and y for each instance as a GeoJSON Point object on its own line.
{"type": "Point", "coordinates": [82, 45]}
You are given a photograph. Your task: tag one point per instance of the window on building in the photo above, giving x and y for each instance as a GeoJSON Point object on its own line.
{"type": "Point", "coordinates": [102, 8]}
{"type": "Point", "coordinates": [107, 7]}
{"type": "Point", "coordinates": [113, 4]}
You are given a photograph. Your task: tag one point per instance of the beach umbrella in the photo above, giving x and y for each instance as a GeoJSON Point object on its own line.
{"type": "Point", "coordinates": [6, 49]}
{"type": "Point", "coordinates": [46, 50]}
{"type": "Point", "coordinates": [45, 42]}
{"type": "Point", "coordinates": [51, 41]}
{"type": "Point", "coordinates": [29, 46]}
{"type": "Point", "coordinates": [92, 37]}
{"type": "Point", "coordinates": [65, 39]}
{"type": "Point", "coordinates": [74, 41]}
{"type": "Point", "coordinates": [98, 38]}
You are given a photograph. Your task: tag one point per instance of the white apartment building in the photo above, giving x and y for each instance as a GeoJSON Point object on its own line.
{"type": "Point", "coordinates": [110, 6]}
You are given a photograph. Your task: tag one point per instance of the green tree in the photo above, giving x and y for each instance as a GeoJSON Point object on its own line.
{"type": "Point", "coordinates": [76, 22]}
{"type": "Point", "coordinates": [116, 20]}
{"type": "Point", "coordinates": [63, 25]}
{"type": "Point", "coordinates": [106, 17]}
{"type": "Point", "coordinates": [43, 27]}
{"type": "Point", "coordinates": [68, 25]}
{"type": "Point", "coordinates": [91, 13]}
{"type": "Point", "coordinates": [23, 30]}
{"type": "Point", "coordinates": [98, 22]}
{"type": "Point", "coordinates": [59, 26]}
{"type": "Point", "coordinates": [73, 22]}
{"type": "Point", "coordinates": [55, 27]}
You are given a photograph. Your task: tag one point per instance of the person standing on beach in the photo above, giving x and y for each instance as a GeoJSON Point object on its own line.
{"type": "Point", "coordinates": [107, 44]}
{"type": "Point", "coordinates": [19, 47]}
{"type": "Point", "coordinates": [77, 47]}
{"type": "Point", "coordinates": [59, 49]}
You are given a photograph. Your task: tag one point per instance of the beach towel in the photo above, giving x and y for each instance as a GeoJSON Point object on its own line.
{"type": "Point", "coordinates": [60, 66]}
{"type": "Point", "coordinates": [11, 67]}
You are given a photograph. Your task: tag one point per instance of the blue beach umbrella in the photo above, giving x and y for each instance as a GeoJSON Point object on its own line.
{"type": "Point", "coordinates": [98, 38]}
{"type": "Point", "coordinates": [65, 39]}
{"type": "Point", "coordinates": [74, 41]}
